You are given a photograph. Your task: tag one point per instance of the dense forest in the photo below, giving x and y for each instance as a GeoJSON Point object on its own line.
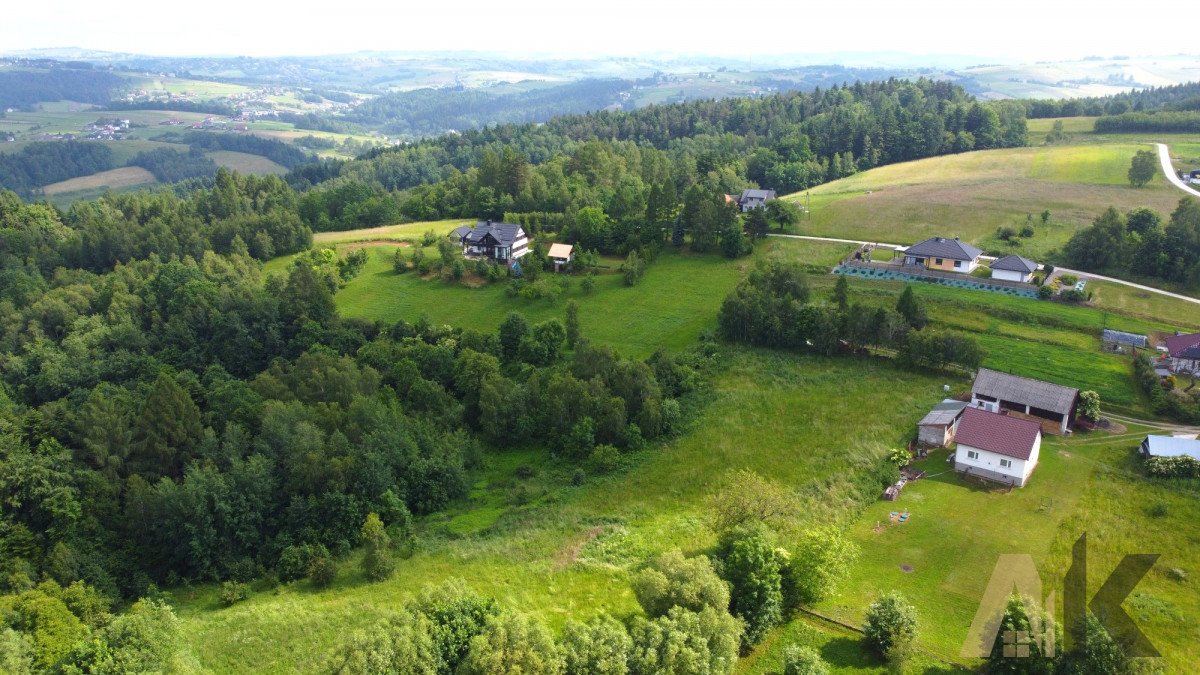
{"type": "Point", "coordinates": [626, 163]}
{"type": "Point", "coordinates": [172, 166]}
{"type": "Point", "coordinates": [1180, 97]}
{"type": "Point", "coordinates": [39, 164]}
{"type": "Point", "coordinates": [1138, 243]}
{"type": "Point", "coordinates": [55, 81]}
{"type": "Point", "coordinates": [1168, 122]}
{"type": "Point", "coordinates": [426, 112]}
{"type": "Point", "coordinates": [288, 156]}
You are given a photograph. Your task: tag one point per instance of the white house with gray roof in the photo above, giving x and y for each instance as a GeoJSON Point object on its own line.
{"type": "Point", "coordinates": [1014, 268]}
{"type": "Point", "coordinates": [752, 199]}
{"type": "Point", "coordinates": [502, 242]}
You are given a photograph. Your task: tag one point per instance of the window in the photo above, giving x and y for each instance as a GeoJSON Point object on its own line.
{"type": "Point", "coordinates": [971, 454]}
{"type": "Point", "coordinates": [957, 264]}
{"type": "Point", "coordinates": [1006, 463]}
{"type": "Point", "coordinates": [937, 261]}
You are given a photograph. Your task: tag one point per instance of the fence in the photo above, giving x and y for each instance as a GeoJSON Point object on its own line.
{"type": "Point", "coordinates": [894, 272]}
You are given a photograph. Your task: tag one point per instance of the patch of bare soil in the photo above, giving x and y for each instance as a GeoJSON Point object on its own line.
{"type": "Point", "coordinates": [567, 555]}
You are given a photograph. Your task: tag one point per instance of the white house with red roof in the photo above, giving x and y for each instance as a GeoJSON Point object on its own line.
{"type": "Point", "coordinates": [1184, 352]}
{"type": "Point", "coordinates": [996, 446]}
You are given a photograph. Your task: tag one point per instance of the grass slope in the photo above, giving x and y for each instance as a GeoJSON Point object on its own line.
{"type": "Point", "coordinates": [246, 163]}
{"type": "Point", "coordinates": [125, 177]}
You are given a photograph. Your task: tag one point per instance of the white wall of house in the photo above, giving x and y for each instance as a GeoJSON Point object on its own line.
{"type": "Point", "coordinates": [990, 406]}
{"type": "Point", "coordinates": [1012, 275]}
{"type": "Point", "coordinates": [1018, 469]}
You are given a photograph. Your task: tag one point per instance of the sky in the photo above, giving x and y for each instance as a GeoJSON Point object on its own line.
{"type": "Point", "coordinates": [1004, 30]}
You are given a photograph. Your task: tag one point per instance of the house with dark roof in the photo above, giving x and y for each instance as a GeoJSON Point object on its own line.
{"type": "Point", "coordinates": [752, 199]}
{"type": "Point", "coordinates": [996, 446]}
{"type": "Point", "coordinates": [995, 391]}
{"type": "Point", "coordinates": [939, 426]}
{"type": "Point", "coordinates": [947, 255]}
{"type": "Point", "coordinates": [504, 243]}
{"type": "Point", "coordinates": [1183, 350]}
{"type": "Point", "coordinates": [1013, 268]}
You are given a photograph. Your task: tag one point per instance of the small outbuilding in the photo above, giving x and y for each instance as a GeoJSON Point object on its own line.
{"type": "Point", "coordinates": [996, 391]}
{"type": "Point", "coordinates": [1171, 446]}
{"type": "Point", "coordinates": [1116, 340]}
{"type": "Point", "coordinates": [1013, 268]}
{"type": "Point", "coordinates": [997, 447]}
{"type": "Point", "coordinates": [938, 427]}
{"type": "Point", "coordinates": [561, 255]}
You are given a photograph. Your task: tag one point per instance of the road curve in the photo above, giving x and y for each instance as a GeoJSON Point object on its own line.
{"type": "Point", "coordinates": [1078, 273]}
{"type": "Point", "coordinates": [1164, 156]}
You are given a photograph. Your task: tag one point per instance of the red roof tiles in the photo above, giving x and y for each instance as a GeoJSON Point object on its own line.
{"type": "Point", "coordinates": [1004, 435]}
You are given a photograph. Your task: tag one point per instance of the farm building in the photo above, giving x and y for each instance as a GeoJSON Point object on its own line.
{"type": "Point", "coordinates": [1184, 352]}
{"type": "Point", "coordinates": [502, 242]}
{"type": "Point", "coordinates": [938, 427]}
{"type": "Point", "coordinates": [995, 391]}
{"type": "Point", "coordinates": [1171, 446]}
{"type": "Point", "coordinates": [561, 255]}
{"type": "Point", "coordinates": [996, 446]}
{"type": "Point", "coordinates": [752, 199]}
{"type": "Point", "coordinates": [1116, 339]}
{"type": "Point", "coordinates": [947, 255]}
{"type": "Point", "coordinates": [1014, 268]}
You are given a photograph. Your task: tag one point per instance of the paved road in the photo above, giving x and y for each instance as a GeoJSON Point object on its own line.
{"type": "Point", "coordinates": [1058, 270]}
{"type": "Point", "coordinates": [1164, 156]}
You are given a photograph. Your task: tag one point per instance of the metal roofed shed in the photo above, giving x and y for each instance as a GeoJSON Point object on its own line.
{"type": "Point", "coordinates": [1112, 338]}
{"type": "Point", "coordinates": [937, 428]}
{"type": "Point", "coordinates": [1171, 446]}
{"type": "Point", "coordinates": [996, 391]}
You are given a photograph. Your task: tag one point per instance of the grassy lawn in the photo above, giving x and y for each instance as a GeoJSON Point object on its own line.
{"type": "Point", "coordinates": [401, 232]}
{"type": "Point", "coordinates": [972, 194]}
{"type": "Point", "coordinates": [127, 176]}
{"type": "Point", "coordinates": [957, 531]}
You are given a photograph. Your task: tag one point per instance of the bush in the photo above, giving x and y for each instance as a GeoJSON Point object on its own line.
{"type": "Point", "coordinates": [1068, 279]}
{"type": "Point", "coordinates": [1089, 405]}
{"type": "Point", "coordinates": [1173, 467]}
{"type": "Point", "coordinates": [604, 458]}
{"type": "Point", "coordinates": [322, 570]}
{"type": "Point", "coordinates": [513, 643]}
{"type": "Point", "coordinates": [429, 238]}
{"type": "Point", "coordinates": [633, 268]}
{"type": "Point", "coordinates": [378, 563]}
{"type": "Point", "coordinates": [803, 661]}
{"type": "Point", "coordinates": [588, 284]}
{"type": "Point", "coordinates": [686, 642]}
{"type": "Point", "coordinates": [752, 566]}
{"type": "Point", "coordinates": [1045, 292]}
{"type": "Point", "coordinates": [672, 580]}
{"type": "Point", "coordinates": [295, 559]}
{"type": "Point", "coordinates": [1006, 233]}
{"type": "Point", "coordinates": [601, 646]}
{"type": "Point", "coordinates": [891, 622]}
{"type": "Point", "coordinates": [1027, 231]}
{"type": "Point", "coordinates": [1157, 510]}
{"type": "Point", "coordinates": [233, 592]}
{"type": "Point", "coordinates": [822, 559]}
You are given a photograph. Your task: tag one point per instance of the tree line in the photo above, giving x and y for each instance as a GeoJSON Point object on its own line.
{"type": "Point", "coordinates": [39, 164]}
{"type": "Point", "coordinates": [56, 81]}
{"type": "Point", "coordinates": [1139, 243]}
{"type": "Point", "coordinates": [1180, 97]}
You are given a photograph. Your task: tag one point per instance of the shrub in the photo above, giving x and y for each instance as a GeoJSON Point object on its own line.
{"type": "Point", "coordinates": [458, 615]}
{"type": "Point", "coordinates": [891, 622]}
{"type": "Point", "coordinates": [1157, 510]}
{"type": "Point", "coordinates": [1006, 233]}
{"type": "Point", "coordinates": [1089, 405]}
{"type": "Point", "coordinates": [803, 661]}
{"type": "Point", "coordinates": [294, 560]}
{"type": "Point", "coordinates": [322, 570]}
{"type": "Point", "coordinates": [377, 563]}
{"type": "Point", "coordinates": [513, 643]}
{"type": "Point", "coordinates": [633, 268]}
{"type": "Point", "coordinates": [233, 592]}
{"type": "Point", "coordinates": [429, 238]}
{"type": "Point", "coordinates": [672, 580]}
{"type": "Point", "coordinates": [1045, 292]}
{"type": "Point", "coordinates": [399, 262]}
{"type": "Point", "coordinates": [686, 642]}
{"type": "Point", "coordinates": [1068, 279]}
{"type": "Point", "coordinates": [1027, 231]}
{"type": "Point", "coordinates": [822, 559]}
{"type": "Point", "coordinates": [604, 458]}
{"type": "Point", "coordinates": [588, 284]}
{"type": "Point", "coordinates": [601, 646]}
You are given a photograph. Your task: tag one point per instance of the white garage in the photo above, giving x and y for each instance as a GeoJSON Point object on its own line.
{"type": "Point", "coordinates": [1014, 268]}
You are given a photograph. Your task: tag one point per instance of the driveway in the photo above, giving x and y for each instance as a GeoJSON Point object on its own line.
{"type": "Point", "coordinates": [1164, 156]}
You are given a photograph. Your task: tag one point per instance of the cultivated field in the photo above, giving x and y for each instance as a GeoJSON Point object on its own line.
{"type": "Point", "coordinates": [246, 163]}
{"type": "Point", "coordinates": [125, 177]}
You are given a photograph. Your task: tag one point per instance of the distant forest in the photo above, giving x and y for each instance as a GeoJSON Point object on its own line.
{"type": "Point", "coordinates": [22, 89]}
{"type": "Point", "coordinates": [1180, 97]}
{"type": "Point", "coordinates": [431, 111]}
{"type": "Point", "coordinates": [39, 164]}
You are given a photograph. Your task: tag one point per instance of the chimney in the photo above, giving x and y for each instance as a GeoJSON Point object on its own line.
{"type": "Point", "coordinates": [956, 239]}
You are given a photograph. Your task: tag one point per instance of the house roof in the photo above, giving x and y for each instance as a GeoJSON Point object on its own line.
{"type": "Point", "coordinates": [1002, 434]}
{"type": "Point", "coordinates": [1171, 446]}
{"type": "Point", "coordinates": [503, 233]}
{"type": "Point", "coordinates": [462, 231]}
{"type": "Point", "coordinates": [1015, 263]}
{"type": "Point", "coordinates": [1124, 338]}
{"type": "Point", "coordinates": [757, 194]}
{"type": "Point", "coordinates": [941, 247]}
{"type": "Point", "coordinates": [1026, 391]}
{"type": "Point", "coordinates": [560, 250]}
{"type": "Point", "coordinates": [943, 414]}
{"type": "Point", "coordinates": [1185, 346]}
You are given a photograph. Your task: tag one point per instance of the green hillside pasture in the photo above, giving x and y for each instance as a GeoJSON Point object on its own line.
{"type": "Point", "coordinates": [568, 552]}
{"type": "Point", "coordinates": [401, 232]}
{"type": "Point", "coordinates": [1072, 125]}
{"type": "Point", "coordinates": [957, 530]}
{"type": "Point", "coordinates": [125, 177]}
{"type": "Point", "coordinates": [246, 163]}
{"type": "Point", "coordinates": [972, 194]}
{"type": "Point", "coordinates": [1185, 156]}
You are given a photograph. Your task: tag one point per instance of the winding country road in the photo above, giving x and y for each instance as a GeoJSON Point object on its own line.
{"type": "Point", "coordinates": [1164, 156]}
